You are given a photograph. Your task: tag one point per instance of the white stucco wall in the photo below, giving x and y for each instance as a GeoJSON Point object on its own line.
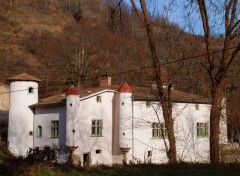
{"type": "Point", "coordinates": [189, 147]}
{"type": "Point", "coordinates": [223, 138]}
{"type": "Point", "coordinates": [90, 110]}
{"type": "Point", "coordinates": [125, 120]}
{"type": "Point", "coordinates": [43, 117]}
{"type": "Point", "coordinates": [21, 116]}
{"type": "Point", "coordinates": [72, 120]}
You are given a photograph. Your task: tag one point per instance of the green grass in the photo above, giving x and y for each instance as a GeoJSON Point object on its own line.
{"type": "Point", "coordinates": [144, 170]}
{"type": "Point", "coordinates": [13, 166]}
{"type": "Point", "coordinates": [2, 154]}
{"type": "Point", "coordinates": [132, 170]}
{"type": "Point", "coordinates": [231, 152]}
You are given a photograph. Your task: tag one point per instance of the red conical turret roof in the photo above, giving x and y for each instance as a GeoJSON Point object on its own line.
{"type": "Point", "coordinates": [125, 88]}
{"type": "Point", "coordinates": [72, 90]}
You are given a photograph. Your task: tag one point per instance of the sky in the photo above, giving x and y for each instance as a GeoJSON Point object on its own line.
{"type": "Point", "coordinates": [187, 17]}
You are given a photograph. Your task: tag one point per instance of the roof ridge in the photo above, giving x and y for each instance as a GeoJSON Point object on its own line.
{"type": "Point", "coordinates": [24, 77]}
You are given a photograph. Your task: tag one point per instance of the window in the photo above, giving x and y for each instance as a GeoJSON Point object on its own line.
{"type": "Point", "coordinates": [148, 104]}
{"type": "Point", "coordinates": [30, 133]}
{"type": "Point", "coordinates": [149, 153]}
{"type": "Point", "coordinates": [39, 131]}
{"type": "Point", "coordinates": [30, 90]}
{"type": "Point", "coordinates": [54, 129]}
{"type": "Point", "coordinates": [197, 107]}
{"type": "Point", "coordinates": [99, 100]}
{"type": "Point", "coordinates": [202, 130]}
{"type": "Point", "coordinates": [96, 127]}
{"type": "Point", "coordinates": [98, 151]}
{"type": "Point", "coordinates": [159, 130]}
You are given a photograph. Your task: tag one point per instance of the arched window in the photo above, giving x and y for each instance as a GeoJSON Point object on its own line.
{"type": "Point", "coordinates": [39, 131]}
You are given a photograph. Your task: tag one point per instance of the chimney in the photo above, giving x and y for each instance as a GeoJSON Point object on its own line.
{"type": "Point", "coordinates": [165, 86]}
{"type": "Point", "coordinates": [105, 80]}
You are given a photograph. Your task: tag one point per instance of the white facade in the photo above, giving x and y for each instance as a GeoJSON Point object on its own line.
{"type": "Point", "coordinates": [108, 126]}
{"type": "Point", "coordinates": [43, 118]}
{"type": "Point", "coordinates": [20, 125]}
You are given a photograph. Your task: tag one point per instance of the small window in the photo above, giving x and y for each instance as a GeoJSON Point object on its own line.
{"type": "Point", "coordinates": [122, 103]}
{"type": "Point", "coordinates": [149, 153]}
{"type": "Point", "coordinates": [98, 151]}
{"type": "Point", "coordinates": [54, 129]}
{"type": "Point", "coordinates": [96, 127]}
{"type": "Point", "coordinates": [159, 130]}
{"type": "Point", "coordinates": [197, 107]}
{"type": "Point", "coordinates": [202, 130]}
{"type": "Point", "coordinates": [148, 104]}
{"type": "Point", "coordinates": [99, 100]}
{"type": "Point", "coordinates": [70, 104]}
{"type": "Point", "coordinates": [30, 90]}
{"type": "Point", "coordinates": [30, 133]}
{"type": "Point", "coordinates": [39, 131]}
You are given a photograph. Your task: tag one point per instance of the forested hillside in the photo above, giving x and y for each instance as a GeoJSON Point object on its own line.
{"type": "Point", "coordinates": [75, 41]}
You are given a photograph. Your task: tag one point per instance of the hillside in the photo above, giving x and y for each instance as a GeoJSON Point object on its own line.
{"type": "Point", "coordinates": [74, 41]}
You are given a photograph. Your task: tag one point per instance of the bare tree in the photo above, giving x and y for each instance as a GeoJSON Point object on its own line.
{"type": "Point", "coordinates": [218, 67]}
{"type": "Point", "coordinates": [165, 97]}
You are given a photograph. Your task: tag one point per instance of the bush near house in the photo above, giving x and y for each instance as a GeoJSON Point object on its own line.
{"type": "Point", "coordinates": [32, 166]}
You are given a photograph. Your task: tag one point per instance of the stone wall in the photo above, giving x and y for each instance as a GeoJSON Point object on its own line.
{"type": "Point", "coordinates": [4, 97]}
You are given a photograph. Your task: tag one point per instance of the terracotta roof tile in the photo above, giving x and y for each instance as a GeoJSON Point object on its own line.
{"type": "Point", "coordinates": [24, 77]}
{"type": "Point", "coordinates": [72, 90]}
{"type": "Point", "coordinates": [139, 93]}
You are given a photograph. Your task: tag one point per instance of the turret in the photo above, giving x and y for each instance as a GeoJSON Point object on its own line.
{"type": "Point", "coordinates": [72, 120]}
{"type": "Point", "coordinates": [125, 119]}
{"type": "Point", "coordinates": [23, 93]}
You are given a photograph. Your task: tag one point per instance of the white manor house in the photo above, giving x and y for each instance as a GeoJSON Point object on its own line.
{"type": "Point", "coordinates": [107, 124]}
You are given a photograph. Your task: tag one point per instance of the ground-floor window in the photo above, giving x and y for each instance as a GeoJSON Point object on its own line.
{"type": "Point", "coordinates": [202, 130]}
{"type": "Point", "coordinates": [159, 130]}
{"type": "Point", "coordinates": [54, 128]}
{"type": "Point", "coordinates": [39, 131]}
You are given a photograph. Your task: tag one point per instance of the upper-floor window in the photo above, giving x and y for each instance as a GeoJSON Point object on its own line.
{"type": "Point", "coordinates": [148, 104]}
{"type": "Point", "coordinates": [97, 127]}
{"type": "Point", "coordinates": [39, 131]}
{"type": "Point", "coordinates": [202, 130]}
{"type": "Point", "coordinates": [99, 99]}
{"type": "Point", "coordinates": [30, 90]}
{"type": "Point", "coordinates": [54, 128]}
{"type": "Point", "coordinates": [197, 107]}
{"type": "Point", "coordinates": [159, 130]}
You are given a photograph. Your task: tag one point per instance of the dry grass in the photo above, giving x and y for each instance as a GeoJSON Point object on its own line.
{"type": "Point", "coordinates": [12, 166]}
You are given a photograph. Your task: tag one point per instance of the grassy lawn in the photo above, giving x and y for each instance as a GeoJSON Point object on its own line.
{"type": "Point", "coordinates": [10, 166]}
{"type": "Point", "coordinates": [140, 170]}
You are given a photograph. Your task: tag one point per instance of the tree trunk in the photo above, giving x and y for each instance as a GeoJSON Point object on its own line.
{"type": "Point", "coordinates": [169, 122]}
{"type": "Point", "coordinates": [165, 98]}
{"type": "Point", "coordinates": [215, 115]}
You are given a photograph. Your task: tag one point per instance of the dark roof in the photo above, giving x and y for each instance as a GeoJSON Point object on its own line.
{"type": "Point", "coordinates": [60, 98]}
{"type": "Point", "coordinates": [24, 77]}
{"type": "Point", "coordinates": [149, 94]}
{"type": "Point", "coordinates": [139, 94]}
{"type": "Point", "coordinates": [55, 100]}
